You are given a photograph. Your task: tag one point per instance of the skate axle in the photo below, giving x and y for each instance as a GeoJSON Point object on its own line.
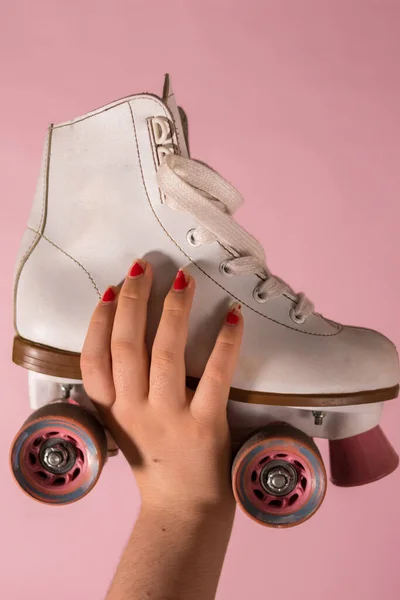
{"type": "Point", "coordinates": [278, 478]}
{"type": "Point", "coordinates": [57, 455]}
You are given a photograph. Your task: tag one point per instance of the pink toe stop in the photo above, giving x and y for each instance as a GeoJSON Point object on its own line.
{"type": "Point", "coordinates": [362, 458]}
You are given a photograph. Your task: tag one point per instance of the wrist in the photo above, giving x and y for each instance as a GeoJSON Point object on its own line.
{"type": "Point", "coordinates": [180, 511]}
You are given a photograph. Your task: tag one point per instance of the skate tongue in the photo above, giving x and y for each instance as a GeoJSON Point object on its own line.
{"type": "Point", "coordinates": [179, 116]}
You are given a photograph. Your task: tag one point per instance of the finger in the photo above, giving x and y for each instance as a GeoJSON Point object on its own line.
{"type": "Point", "coordinates": [128, 347]}
{"type": "Point", "coordinates": [96, 353]}
{"type": "Point", "coordinates": [167, 370]}
{"type": "Point", "coordinates": [211, 397]}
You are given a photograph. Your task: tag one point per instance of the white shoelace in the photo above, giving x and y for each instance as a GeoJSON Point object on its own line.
{"type": "Point", "coordinates": [193, 187]}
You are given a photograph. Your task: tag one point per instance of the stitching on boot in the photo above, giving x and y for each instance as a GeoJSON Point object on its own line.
{"type": "Point", "coordinates": [188, 257]}
{"type": "Point", "coordinates": [71, 257]}
{"type": "Point", "coordinates": [104, 109]}
{"type": "Point", "coordinates": [42, 223]}
{"type": "Point", "coordinates": [85, 118]}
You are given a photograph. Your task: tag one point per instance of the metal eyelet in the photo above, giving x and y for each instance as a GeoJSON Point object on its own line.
{"type": "Point", "coordinates": [191, 239]}
{"type": "Point", "coordinates": [299, 319]}
{"type": "Point", "coordinates": [224, 268]}
{"type": "Point", "coordinates": [259, 297]}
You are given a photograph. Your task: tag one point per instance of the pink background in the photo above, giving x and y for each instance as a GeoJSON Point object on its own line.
{"type": "Point", "coordinates": [301, 101]}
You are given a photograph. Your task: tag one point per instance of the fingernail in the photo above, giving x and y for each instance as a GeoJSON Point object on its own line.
{"type": "Point", "coordinates": [137, 269]}
{"type": "Point", "coordinates": [181, 281]}
{"type": "Point", "coordinates": [108, 296]}
{"type": "Point", "coordinates": [233, 316]}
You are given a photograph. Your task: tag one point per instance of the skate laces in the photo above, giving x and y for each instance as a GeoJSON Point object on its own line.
{"type": "Point", "coordinates": [192, 187]}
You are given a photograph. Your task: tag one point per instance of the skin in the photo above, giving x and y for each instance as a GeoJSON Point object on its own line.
{"type": "Point", "coordinates": [176, 441]}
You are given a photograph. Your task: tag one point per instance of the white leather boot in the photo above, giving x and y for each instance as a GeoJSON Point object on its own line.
{"type": "Point", "coordinates": [116, 184]}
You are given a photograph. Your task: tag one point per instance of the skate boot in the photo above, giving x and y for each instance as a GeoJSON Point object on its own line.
{"type": "Point", "coordinates": [118, 183]}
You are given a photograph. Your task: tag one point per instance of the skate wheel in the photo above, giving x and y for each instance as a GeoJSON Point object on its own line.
{"type": "Point", "coordinates": [58, 454]}
{"type": "Point", "coordinates": [278, 476]}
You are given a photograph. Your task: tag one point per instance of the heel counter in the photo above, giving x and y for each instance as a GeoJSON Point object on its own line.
{"type": "Point", "coordinates": [36, 221]}
{"type": "Point", "coordinates": [56, 298]}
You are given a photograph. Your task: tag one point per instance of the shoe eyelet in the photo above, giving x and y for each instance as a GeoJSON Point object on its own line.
{"type": "Point", "coordinates": [191, 239]}
{"type": "Point", "coordinates": [224, 268]}
{"type": "Point", "coordinates": [299, 319]}
{"type": "Point", "coordinates": [259, 297]}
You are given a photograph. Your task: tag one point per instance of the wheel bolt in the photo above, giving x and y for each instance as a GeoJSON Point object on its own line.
{"type": "Point", "coordinates": [278, 477]}
{"type": "Point", "coordinates": [57, 456]}
{"type": "Point", "coordinates": [54, 458]}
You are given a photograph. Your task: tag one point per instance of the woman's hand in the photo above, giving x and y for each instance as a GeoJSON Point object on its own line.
{"type": "Point", "coordinates": [176, 441]}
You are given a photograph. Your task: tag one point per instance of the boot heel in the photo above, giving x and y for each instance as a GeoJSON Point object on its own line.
{"type": "Point", "coordinates": [46, 360]}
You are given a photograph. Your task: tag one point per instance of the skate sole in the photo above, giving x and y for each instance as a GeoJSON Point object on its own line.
{"type": "Point", "coordinates": [46, 360]}
{"type": "Point", "coordinates": [61, 363]}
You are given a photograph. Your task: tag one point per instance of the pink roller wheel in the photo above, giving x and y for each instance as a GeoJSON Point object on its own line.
{"type": "Point", "coordinates": [59, 453]}
{"type": "Point", "coordinates": [278, 476]}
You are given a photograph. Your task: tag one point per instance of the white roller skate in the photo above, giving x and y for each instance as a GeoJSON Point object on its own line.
{"type": "Point", "coordinates": [116, 184]}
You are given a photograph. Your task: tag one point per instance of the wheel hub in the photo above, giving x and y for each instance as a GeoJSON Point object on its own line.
{"type": "Point", "coordinates": [57, 456]}
{"type": "Point", "coordinates": [278, 477]}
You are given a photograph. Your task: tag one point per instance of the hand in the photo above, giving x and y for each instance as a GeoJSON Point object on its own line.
{"type": "Point", "coordinates": [176, 441]}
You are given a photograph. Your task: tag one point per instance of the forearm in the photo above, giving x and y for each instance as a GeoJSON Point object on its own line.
{"type": "Point", "coordinates": [173, 555]}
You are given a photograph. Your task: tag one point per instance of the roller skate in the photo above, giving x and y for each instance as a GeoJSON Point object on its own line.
{"type": "Point", "coordinates": [118, 183]}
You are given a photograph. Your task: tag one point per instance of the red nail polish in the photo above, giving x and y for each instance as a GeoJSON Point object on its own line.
{"type": "Point", "coordinates": [136, 270]}
{"type": "Point", "coordinates": [181, 282]}
{"type": "Point", "coordinates": [232, 318]}
{"type": "Point", "coordinates": [109, 295]}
